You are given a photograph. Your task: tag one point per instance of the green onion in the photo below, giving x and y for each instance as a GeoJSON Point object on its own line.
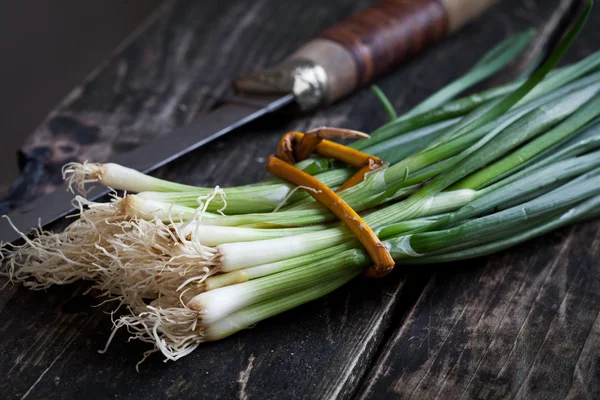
{"type": "Point", "coordinates": [465, 178]}
{"type": "Point", "coordinates": [385, 102]}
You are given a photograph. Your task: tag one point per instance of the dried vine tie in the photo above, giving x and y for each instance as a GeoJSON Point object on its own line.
{"type": "Point", "coordinates": [295, 147]}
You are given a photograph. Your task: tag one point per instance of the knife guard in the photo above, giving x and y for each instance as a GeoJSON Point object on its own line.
{"type": "Point", "coordinates": [352, 53]}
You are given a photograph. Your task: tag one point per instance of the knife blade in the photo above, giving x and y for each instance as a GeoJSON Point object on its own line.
{"type": "Point", "coordinates": [326, 69]}
{"type": "Point", "coordinates": [48, 208]}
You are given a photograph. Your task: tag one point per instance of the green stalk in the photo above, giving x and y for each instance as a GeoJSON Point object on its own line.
{"type": "Point", "coordinates": [562, 76]}
{"type": "Point", "coordinates": [586, 141]}
{"type": "Point", "coordinates": [218, 303]}
{"type": "Point", "coordinates": [215, 235]}
{"type": "Point", "coordinates": [385, 102]}
{"type": "Point", "coordinates": [481, 230]}
{"type": "Point", "coordinates": [539, 180]}
{"type": "Point", "coordinates": [581, 212]}
{"type": "Point", "coordinates": [262, 310]}
{"type": "Point", "coordinates": [243, 275]}
{"type": "Point", "coordinates": [429, 109]}
{"type": "Point", "coordinates": [401, 146]}
{"type": "Point", "coordinates": [361, 194]}
{"type": "Point", "coordinates": [249, 316]}
{"type": "Point", "coordinates": [512, 161]}
{"type": "Point", "coordinates": [519, 191]}
{"type": "Point", "coordinates": [247, 199]}
{"type": "Point", "coordinates": [451, 110]}
{"type": "Point", "coordinates": [233, 256]}
{"type": "Point", "coordinates": [258, 271]}
{"type": "Point", "coordinates": [481, 154]}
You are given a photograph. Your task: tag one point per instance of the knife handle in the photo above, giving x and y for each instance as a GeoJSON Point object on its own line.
{"type": "Point", "coordinates": [355, 51]}
{"type": "Point", "coordinates": [380, 38]}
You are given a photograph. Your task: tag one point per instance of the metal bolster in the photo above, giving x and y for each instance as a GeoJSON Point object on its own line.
{"type": "Point", "coordinates": [305, 79]}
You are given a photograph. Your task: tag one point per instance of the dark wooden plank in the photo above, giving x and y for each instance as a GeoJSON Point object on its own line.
{"type": "Point", "coordinates": [49, 352]}
{"type": "Point", "coordinates": [523, 323]}
{"type": "Point", "coordinates": [160, 80]}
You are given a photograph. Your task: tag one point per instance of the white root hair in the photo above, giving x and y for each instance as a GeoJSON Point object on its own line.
{"type": "Point", "coordinates": [131, 260]}
{"type": "Point", "coordinates": [61, 258]}
{"type": "Point", "coordinates": [167, 265]}
{"type": "Point", "coordinates": [80, 174]}
{"type": "Point", "coordinates": [150, 258]}
{"type": "Point", "coordinates": [204, 202]}
{"type": "Point", "coordinates": [166, 323]}
{"type": "Point", "coordinates": [126, 256]}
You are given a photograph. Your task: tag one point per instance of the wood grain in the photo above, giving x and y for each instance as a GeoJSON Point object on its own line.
{"type": "Point", "coordinates": [534, 310]}
{"type": "Point", "coordinates": [515, 325]}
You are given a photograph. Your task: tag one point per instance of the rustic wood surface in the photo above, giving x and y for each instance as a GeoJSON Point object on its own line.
{"type": "Point", "coordinates": [524, 323]}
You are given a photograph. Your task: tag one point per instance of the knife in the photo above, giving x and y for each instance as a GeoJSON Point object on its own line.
{"type": "Point", "coordinates": [343, 58]}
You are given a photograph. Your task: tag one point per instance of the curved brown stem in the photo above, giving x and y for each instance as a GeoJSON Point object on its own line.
{"type": "Point", "coordinates": [382, 259]}
{"type": "Point", "coordinates": [295, 146]}
{"type": "Point", "coordinates": [360, 175]}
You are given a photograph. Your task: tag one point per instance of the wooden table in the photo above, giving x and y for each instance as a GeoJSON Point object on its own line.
{"type": "Point", "coordinates": [524, 323]}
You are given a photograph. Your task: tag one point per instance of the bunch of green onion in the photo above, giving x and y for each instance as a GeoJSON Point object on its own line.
{"type": "Point", "coordinates": [465, 178]}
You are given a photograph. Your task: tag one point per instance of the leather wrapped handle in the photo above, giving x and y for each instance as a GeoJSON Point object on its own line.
{"type": "Point", "coordinates": [378, 39]}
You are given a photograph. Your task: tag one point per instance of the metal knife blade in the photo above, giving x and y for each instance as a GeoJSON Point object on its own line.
{"type": "Point", "coordinates": [148, 157]}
